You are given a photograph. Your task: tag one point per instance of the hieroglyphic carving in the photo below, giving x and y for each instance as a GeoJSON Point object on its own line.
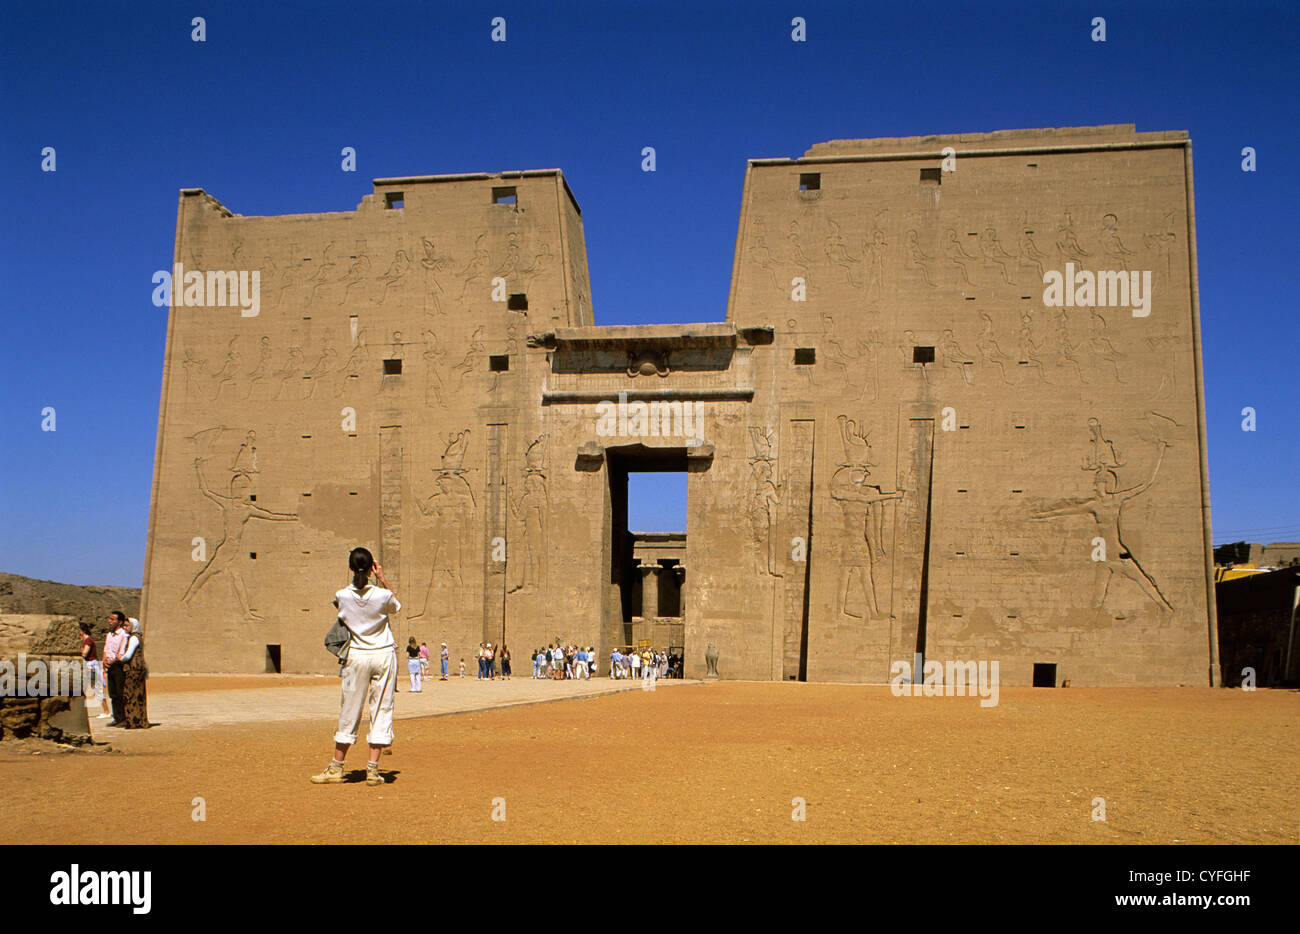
{"type": "Point", "coordinates": [864, 507]}
{"type": "Point", "coordinates": [797, 256]}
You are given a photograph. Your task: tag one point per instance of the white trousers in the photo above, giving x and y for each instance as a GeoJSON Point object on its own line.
{"type": "Point", "coordinates": [368, 676]}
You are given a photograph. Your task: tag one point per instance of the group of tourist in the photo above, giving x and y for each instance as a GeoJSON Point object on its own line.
{"type": "Point", "coordinates": [120, 678]}
{"type": "Point", "coordinates": [561, 662]}
{"type": "Point", "coordinates": [647, 664]}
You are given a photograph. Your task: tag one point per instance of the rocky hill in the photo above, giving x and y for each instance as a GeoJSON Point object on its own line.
{"type": "Point", "coordinates": [38, 616]}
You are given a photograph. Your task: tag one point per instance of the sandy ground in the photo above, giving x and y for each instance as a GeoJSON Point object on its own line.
{"type": "Point", "coordinates": [721, 761]}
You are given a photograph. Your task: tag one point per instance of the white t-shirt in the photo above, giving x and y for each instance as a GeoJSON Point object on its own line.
{"type": "Point", "coordinates": [365, 613]}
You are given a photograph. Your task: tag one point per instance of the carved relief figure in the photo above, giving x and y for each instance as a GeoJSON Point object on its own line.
{"type": "Point", "coordinates": [227, 556]}
{"type": "Point", "coordinates": [995, 255]}
{"type": "Point", "coordinates": [837, 253]}
{"type": "Point", "coordinates": [915, 257]}
{"type": "Point", "coordinates": [957, 254]}
{"type": "Point", "coordinates": [1101, 346]}
{"type": "Point", "coordinates": [395, 273]}
{"type": "Point", "coordinates": [764, 500]}
{"type": "Point", "coordinates": [863, 504]}
{"type": "Point", "coordinates": [447, 535]}
{"type": "Point", "coordinates": [261, 373]}
{"type": "Point", "coordinates": [1030, 254]}
{"type": "Point", "coordinates": [952, 353]}
{"type": "Point", "coordinates": [433, 354]}
{"type": "Point", "coordinates": [225, 377]}
{"type": "Point", "coordinates": [193, 368]}
{"type": "Point", "coordinates": [1067, 243]}
{"type": "Point", "coordinates": [988, 347]}
{"type": "Point", "coordinates": [531, 509]}
{"type": "Point", "coordinates": [358, 271]}
{"type": "Point", "coordinates": [1029, 352]}
{"type": "Point", "coordinates": [1116, 253]}
{"type": "Point", "coordinates": [432, 264]}
{"type": "Point", "coordinates": [1106, 508]}
{"type": "Point", "coordinates": [475, 269]}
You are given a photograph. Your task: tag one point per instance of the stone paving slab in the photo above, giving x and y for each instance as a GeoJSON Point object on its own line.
{"type": "Point", "coordinates": [196, 710]}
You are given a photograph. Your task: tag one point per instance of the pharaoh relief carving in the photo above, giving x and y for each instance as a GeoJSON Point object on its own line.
{"type": "Point", "coordinates": [1067, 242]}
{"type": "Point", "coordinates": [394, 275]}
{"type": "Point", "coordinates": [231, 494]}
{"type": "Point", "coordinates": [1105, 506]}
{"type": "Point", "coordinates": [863, 503]}
{"type": "Point", "coordinates": [446, 531]}
{"type": "Point", "coordinates": [433, 355]}
{"type": "Point", "coordinates": [358, 273]}
{"type": "Point", "coordinates": [531, 510]}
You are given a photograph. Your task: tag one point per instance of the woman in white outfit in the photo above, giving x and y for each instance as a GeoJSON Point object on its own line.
{"type": "Point", "coordinates": [371, 669]}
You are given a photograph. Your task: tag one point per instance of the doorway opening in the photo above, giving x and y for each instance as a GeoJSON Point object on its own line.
{"type": "Point", "coordinates": [1044, 674]}
{"type": "Point", "coordinates": [648, 563]}
{"type": "Point", "coordinates": [272, 659]}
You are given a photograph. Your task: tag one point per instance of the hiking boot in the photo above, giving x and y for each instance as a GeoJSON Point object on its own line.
{"type": "Point", "coordinates": [372, 774]}
{"type": "Point", "coordinates": [331, 775]}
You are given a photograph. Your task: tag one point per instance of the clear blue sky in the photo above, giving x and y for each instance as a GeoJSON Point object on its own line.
{"type": "Point", "coordinates": [258, 113]}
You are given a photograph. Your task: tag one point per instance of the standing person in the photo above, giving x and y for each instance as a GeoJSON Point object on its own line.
{"type": "Point", "coordinates": [536, 655]}
{"type": "Point", "coordinates": [114, 646]}
{"type": "Point", "coordinates": [615, 662]}
{"type": "Point", "coordinates": [443, 660]}
{"type": "Point", "coordinates": [505, 662]}
{"type": "Point", "coordinates": [462, 667]}
{"type": "Point", "coordinates": [97, 683]}
{"type": "Point", "coordinates": [482, 667]}
{"type": "Point", "coordinates": [636, 664]}
{"type": "Point", "coordinates": [424, 662]}
{"type": "Point", "coordinates": [371, 669]}
{"type": "Point", "coordinates": [134, 672]}
{"type": "Point", "coordinates": [490, 660]}
{"type": "Point", "coordinates": [413, 664]}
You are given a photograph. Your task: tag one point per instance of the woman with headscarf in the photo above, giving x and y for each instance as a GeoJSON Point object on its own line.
{"type": "Point", "coordinates": [134, 702]}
